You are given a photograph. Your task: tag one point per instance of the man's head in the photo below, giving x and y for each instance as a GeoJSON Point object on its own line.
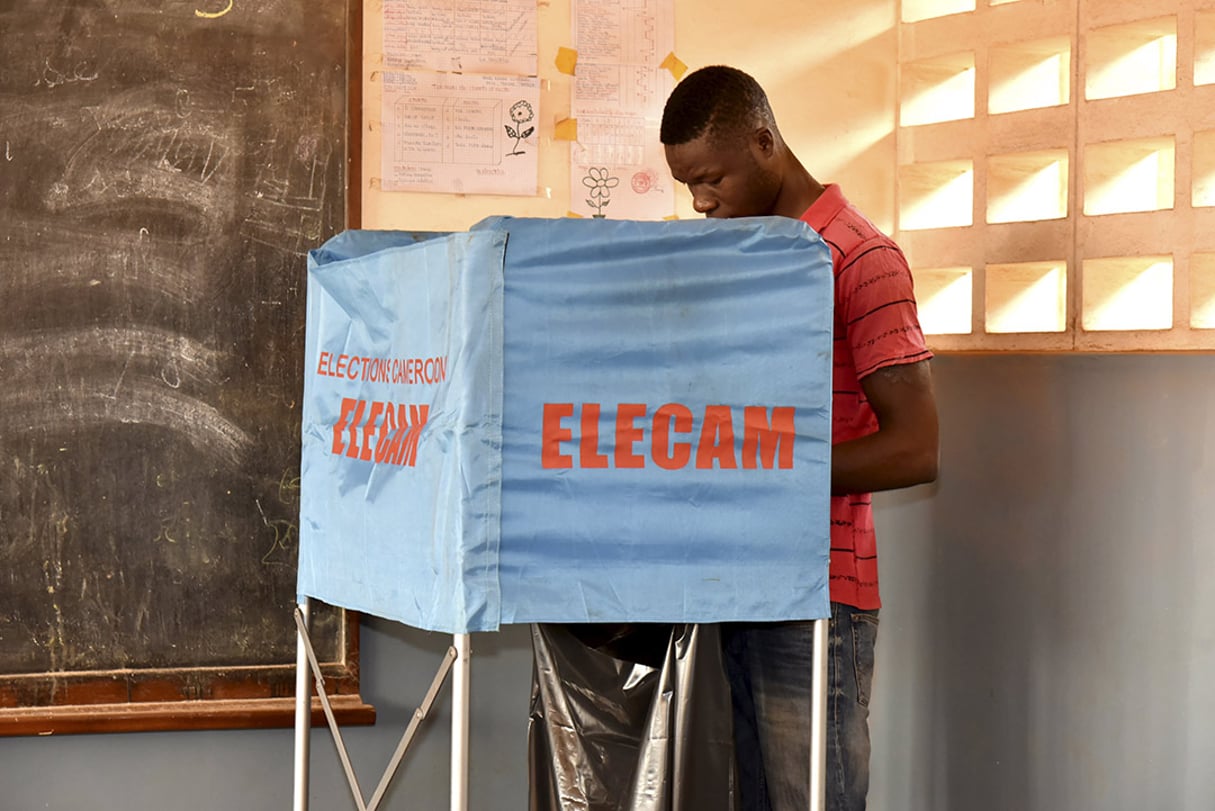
{"type": "Point", "coordinates": [721, 141]}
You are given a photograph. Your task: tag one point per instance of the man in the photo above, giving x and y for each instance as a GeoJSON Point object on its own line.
{"type": "Point", "coordinates": [722, 142]}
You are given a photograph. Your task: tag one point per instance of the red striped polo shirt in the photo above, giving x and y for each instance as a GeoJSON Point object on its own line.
{"type": "Point", "coordinates": [875, 326]}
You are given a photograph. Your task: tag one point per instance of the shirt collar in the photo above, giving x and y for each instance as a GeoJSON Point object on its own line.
{"type": "Point", "coordinates": [823, 210]}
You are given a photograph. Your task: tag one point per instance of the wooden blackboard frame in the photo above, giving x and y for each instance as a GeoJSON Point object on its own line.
{"type": "Point", "coordinates": [240, 695]}
{"type": "Point", "coordinates": [162, 699]}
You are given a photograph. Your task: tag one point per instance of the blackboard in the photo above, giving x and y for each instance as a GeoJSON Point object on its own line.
{"type": "Point", "coordinates": [164, 168]}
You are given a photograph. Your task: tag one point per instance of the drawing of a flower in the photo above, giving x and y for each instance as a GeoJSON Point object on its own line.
{"type": "Point", "coordinates": [601, 183]}
{"type": "Point", "coordinates": [520, 113]}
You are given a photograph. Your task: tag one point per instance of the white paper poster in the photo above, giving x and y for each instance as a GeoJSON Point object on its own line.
{"type": "Point", "coordinates": [469, 134]}
{"type": "Point", "coordinates": [639, 32]}
{"type": "Point", "coordinates": [618, 170]}
{"type": "Point", "coordinates": [617, 166]}
{"type": "Point", "coordinates": [468, 36]}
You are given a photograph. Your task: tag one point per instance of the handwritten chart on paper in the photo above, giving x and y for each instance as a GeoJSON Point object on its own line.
{"type": "Point", "coordinates": [472, 36]}
{"type": "Point", "coordinates": [617, 167]}
{"type": "Point", "coordinates": [461, 134]}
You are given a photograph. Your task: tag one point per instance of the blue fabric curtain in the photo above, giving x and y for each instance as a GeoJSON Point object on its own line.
{"type": "Point", "coordinates": [625, 422]}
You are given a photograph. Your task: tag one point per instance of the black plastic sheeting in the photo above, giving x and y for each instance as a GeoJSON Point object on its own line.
{"type": "Point", "coordinates": [629, 718]}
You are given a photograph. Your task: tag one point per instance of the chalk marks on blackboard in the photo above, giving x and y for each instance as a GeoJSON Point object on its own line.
{"type": "Point", "coordinates": [213, 15]}
{"type": "Point", "coordinates": [286, 531]}
{"type": "Point", "coordinates": [53, 75]}
{"type": "Point", "coordinates": [281, 551]}
{"type": "Point", "coordinates": [52, 574]}
{"type": "Point", "coordinates": [33, 354]}
{"type": "Point", "coordinates": [61, 380]}
{"type": "Point", "coordinates": [114, 240]}
{"type": "Point", "coordinates": [145, 149]}
{"type": "Point", "coordinates": [93, 403]}
{"type": "Point", "coordinates": [163, 175]}
{"type": "Point", "coordinates": [291, 190]}
{"type": "Point", "coordinates": [119, 272]}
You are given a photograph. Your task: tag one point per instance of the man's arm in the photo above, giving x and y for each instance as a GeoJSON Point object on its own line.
{"type": "Point", "coordinates": [903, 451]}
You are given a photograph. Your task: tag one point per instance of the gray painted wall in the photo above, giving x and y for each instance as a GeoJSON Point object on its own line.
{"type": "Point", "coordinates": [252, 770]}
{"type": "Point", "coordinates": [1047, 641]}
{"type": "Point", "coordinates": [1048, 637]}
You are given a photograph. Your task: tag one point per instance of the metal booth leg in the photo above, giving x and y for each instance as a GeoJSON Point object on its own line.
{"type": "Point", "coordinates": [303, 709]}
{"type": "Point", "coordinates": [460, 682]}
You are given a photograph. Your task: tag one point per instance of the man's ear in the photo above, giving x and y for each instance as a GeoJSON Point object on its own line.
{"type": "Point", "coordinates": [764, 141]}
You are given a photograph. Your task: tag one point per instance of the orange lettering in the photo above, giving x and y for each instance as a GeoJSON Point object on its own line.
{"type": "Point", "coordinates": [400, 443]}
{"type": "Point", "coordinates": [396, 447]}
{"type": "Point", "coordinates": [553, 434]}
{"type": "Point", "coordinates": [369, 429]}
{"type": "Point", "coordinates": [628, 434]}
{"type": "Point", "coordinates": [762, 439]}
{"type": "Point", "coordinates": [667, 456]}
{"type": "Point", "coordinates": [769, 436]}
{"type": "Point", "coordinates": [352, 450]}
{"type": "Point", "coordinates": [387, 435]}
{"type": "Point", "coordinates": [348, 404]}
{"type": "Point", "coordinates": [417, 421]}
{"type": "Point", "coordinates": [716, 439]}
{"type": "Point", "coordinates": [588, 445]}
{"type": "Point", "coordinates": [388, 443]}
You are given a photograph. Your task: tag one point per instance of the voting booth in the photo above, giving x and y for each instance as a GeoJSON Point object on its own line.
{"type": "Point", "coordinates": [551, 421]}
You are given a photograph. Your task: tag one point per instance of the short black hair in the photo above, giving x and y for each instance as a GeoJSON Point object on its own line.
{"type": "Point", "coordinates": [719, 100]}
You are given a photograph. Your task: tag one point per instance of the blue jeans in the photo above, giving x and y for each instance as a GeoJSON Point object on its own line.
{"type": "Point", "coordinates": [769, 668]}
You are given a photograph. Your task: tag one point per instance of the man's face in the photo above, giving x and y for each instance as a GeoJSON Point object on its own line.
{"type": "Point", "coordinates": [726, 179]}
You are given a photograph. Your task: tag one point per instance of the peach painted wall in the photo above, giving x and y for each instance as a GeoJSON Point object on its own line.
{"type": "Point", "coordinates": [829, 70]}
